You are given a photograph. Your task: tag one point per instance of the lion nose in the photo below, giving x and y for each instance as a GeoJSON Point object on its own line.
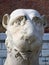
{"type": "Point", "coordinates": [29, 28]}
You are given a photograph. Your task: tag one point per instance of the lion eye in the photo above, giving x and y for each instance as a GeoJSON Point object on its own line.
{"type": "Point", "coordinates": [37, 20]}
{"type": "Point", "coordinates": [21, 18]}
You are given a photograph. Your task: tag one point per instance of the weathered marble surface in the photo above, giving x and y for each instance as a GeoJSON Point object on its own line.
{"type": "Point", "coordinates": [24, 30]}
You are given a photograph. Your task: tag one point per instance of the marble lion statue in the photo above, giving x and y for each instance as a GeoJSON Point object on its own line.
{"type": "Point", "coordinates": [24, 30]}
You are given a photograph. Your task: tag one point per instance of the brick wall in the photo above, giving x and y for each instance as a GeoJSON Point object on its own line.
{"type": "Point", "coordinates": [7, 6]}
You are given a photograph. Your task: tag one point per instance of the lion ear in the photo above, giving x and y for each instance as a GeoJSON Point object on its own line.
{"type": "Point", "coordinates": [44, 20]}
{"type": "Point", "coordinates": [5, 20]}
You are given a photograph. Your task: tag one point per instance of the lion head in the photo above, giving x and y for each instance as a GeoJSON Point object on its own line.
{"type": "Point", "coordinates": [24, 29]}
